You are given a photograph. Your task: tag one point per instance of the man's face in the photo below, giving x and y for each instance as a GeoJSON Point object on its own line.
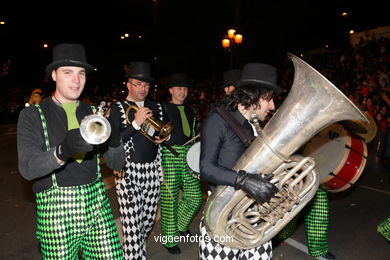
{"type": "Point", "coordinates": [70, 82]}
{"type": "Point", "coordinates": [179, 94]}
{"type": "Point", "coordinates": [138, 90]}
{"type": "Point", "coordinates": [229, 89]}
{"type": "Point", "coordinates": [37, 98]}
{"type": "Point", "coordinates": [264, 107]}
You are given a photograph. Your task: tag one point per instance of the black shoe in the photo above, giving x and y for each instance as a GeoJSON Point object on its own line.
{"type": "Point", "coordinates": [175, 250]}
{"type": "Point", "coordinates": [329, 255]}
{"type": "Point", "coordinates": [185, 233]}
{"type": "Point", "coordinates": [276, 242]}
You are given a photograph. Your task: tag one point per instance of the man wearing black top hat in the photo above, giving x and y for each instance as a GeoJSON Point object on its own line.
{"type": "Point", "coordinates": [176, 216]}
{"type": "Point", "coordinates": [230, 80]}
{"type": "Point", "coordinates": [73, 211]}
{"type": "Point", "coordinates": [138, 187]}
{"type": "Point", "coordinates": [222, 144]}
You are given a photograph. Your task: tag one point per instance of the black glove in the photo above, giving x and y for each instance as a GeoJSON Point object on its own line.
{"type": "Point", "coordinates": [115, 137]}
{"type": "Point", "coordinates": [72, 144]}
{"type": "Point", "coordinates": [256, 185]}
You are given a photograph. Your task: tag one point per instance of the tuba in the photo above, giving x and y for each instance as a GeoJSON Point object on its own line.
{"type": "Point", "coordinates": [236, 220]}
{"type": "Point", "coordinates": [152, 124]}
{"type": "Point", "coordinates": [95, 128]}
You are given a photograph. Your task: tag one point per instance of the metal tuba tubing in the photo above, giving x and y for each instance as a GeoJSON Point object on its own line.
{"type": "Point", "coordinates": [95, 128]}
{"type": "Point", "coordinates": [312, 104]}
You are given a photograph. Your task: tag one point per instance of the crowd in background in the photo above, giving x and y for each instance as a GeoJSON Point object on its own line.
{"type": "Point", "coordinates": [361, 72]}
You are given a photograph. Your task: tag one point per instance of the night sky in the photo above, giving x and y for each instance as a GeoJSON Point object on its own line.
{"type": "Point", "coordinates": [177, 36]}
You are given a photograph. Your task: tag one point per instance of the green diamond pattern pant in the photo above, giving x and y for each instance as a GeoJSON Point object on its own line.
{"type": "Point", "coordinates": [177, 216]}
{"type": "Point", "coordinates": [316, 224]}
{"type": "Point", "coordinates": [70, 218]}
{"type": "Point", "coordinates": [384, 228]}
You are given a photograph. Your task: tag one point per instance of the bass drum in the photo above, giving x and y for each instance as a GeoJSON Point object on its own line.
{"type": "Point", "coordinates": [193, 159]}
{"type": "Point", "coordinates": [340, 157]}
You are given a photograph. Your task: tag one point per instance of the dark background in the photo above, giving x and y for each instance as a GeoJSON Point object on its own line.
{"type": "Point", "coordinates": [176, 35]}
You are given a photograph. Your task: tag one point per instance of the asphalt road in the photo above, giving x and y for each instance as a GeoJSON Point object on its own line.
{"type": "Point", "coordinates": [354, 215]}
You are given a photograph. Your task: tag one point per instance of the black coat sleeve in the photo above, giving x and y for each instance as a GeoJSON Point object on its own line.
{"type": "Point", "coordinates": [213, 138]}
{"type": "Point", "coordinates": [33, 160]}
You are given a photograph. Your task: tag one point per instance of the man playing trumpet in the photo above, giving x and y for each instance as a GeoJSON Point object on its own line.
{"type": "Point", "coordinates": [73, 211]}
{"type": "Point", "coordinates": [138, 186]}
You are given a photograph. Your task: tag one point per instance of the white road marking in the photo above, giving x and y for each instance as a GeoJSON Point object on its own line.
{"type": "Point", "coordinates": [378, 190]}
{"type": "Point", "coordinates": [300, 246]}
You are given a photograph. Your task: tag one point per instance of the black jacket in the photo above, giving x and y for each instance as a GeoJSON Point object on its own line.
{"type": "Point", "coordinates": [172, 114]}
{"type": "Point", "coordinates": [35, 163]}
{"type": "Point", "coordinates": [220, 148]}
{"type": "Point", "coordinates": [143, 150]}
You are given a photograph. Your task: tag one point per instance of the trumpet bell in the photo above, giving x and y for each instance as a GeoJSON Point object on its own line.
{"type": "Point", "coordinates": [166, 130]}
{"type": "Point", "coordinates": [95, 129]}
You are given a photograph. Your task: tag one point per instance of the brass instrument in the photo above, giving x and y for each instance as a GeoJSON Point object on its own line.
{"type": "Point", "coordinates": [95, 128]}
{"type": "Point", "coordinates": [152, 124]}
{"type": "Point", "coordinates": [312, 104]}
{"type": "Point", "coordinates": [369, 129]}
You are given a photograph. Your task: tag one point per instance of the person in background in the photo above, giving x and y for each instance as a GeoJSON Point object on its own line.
{"type": "Point", "coordinates": [35, 97]}
{"type": "Point", "coordinates": [222, 146]}
{"type": "Point", "coordinates": [176, 216]}
{"type": "Point", "coordinates": [230, 80]}
{"type": "Point", "coordinates": [73, 210]}
{"type": "Point", "coordinates": [138, 185]}
{"type": "Point", "coordinates": [316, 217]}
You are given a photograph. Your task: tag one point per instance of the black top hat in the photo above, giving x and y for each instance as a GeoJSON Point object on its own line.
{"type": "Point", "coordinates": [231, 77]}
{"type": "Point", "coordinates": [259, 74]}
{"type": "Point", "coordinates": [140, 70]}
{"type": "Point", "coordinates": [179, 80]}
{"type": "Point", "coordinates": [68, 54]}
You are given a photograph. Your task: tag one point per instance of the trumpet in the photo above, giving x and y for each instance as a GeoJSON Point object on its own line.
{"type": "Point", "coordinates": [151, 125]}
{"type": "Point", "coordinates": [95, 128]}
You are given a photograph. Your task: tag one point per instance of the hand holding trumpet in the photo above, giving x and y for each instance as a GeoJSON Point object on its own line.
{"type": "Point", "coordinates": [142, 114]}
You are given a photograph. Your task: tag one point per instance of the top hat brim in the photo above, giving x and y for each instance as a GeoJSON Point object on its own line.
{"type": "Point", "coordinates": [260, 83]}
{"type": "Point", "coordinates": [178, 85]}
{"type": "Point", "coordinates": [141, 78]}
{"type": "Point", "coordinates": [60, 63]}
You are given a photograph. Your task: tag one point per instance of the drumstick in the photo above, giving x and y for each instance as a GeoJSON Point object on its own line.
{"type": "Point", "coordinates": [189, 141]}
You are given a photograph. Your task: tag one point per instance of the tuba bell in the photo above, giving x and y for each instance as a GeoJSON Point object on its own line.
{"type": "Point", "coordinates": [312, 104]}
{"type": "Point", "coordinates": [95, 128]}
{"type": "Point", "coordinates": [152, 124]}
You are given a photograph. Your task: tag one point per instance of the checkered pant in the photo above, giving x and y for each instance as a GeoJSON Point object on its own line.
{"type": "Point", "coordinates": [138, 194]}
{"type": "Point", "coordinates": [175, 215]}
{"type": "Point", "coordinates": [70, 218]}
{"type": "Point", "coordinates": [384, 228]}
{"type": "Point", "coordinates": [316, 224]}
{"type": "Point", "coordinates": [211, 250]}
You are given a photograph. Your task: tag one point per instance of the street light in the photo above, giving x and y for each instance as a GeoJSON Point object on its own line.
{"type": "Point", "coordinates": [231, 41]}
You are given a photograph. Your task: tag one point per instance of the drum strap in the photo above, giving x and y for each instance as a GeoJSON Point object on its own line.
{"type": "Point", "coordinates": [347, 182]}
{"type": "Point", "coordinates": [245, 135]}
{"type": "Point", "coordinates": [170, 148]}
{"type": "Point", "coordinates": [350, 148]}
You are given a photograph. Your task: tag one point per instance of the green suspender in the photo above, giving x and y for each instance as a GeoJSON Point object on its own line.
{"type": "Point", "coordinates": [47, 143]}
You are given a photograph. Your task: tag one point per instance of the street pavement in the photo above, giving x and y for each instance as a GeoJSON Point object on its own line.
{"type": "Point", "coordinates": [354, 215]}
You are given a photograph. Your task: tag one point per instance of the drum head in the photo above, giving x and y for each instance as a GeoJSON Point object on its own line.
{"type": "Point", "coordinates": [328, 150]}
{"type": "Point", "coordinates": [193, 157]}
